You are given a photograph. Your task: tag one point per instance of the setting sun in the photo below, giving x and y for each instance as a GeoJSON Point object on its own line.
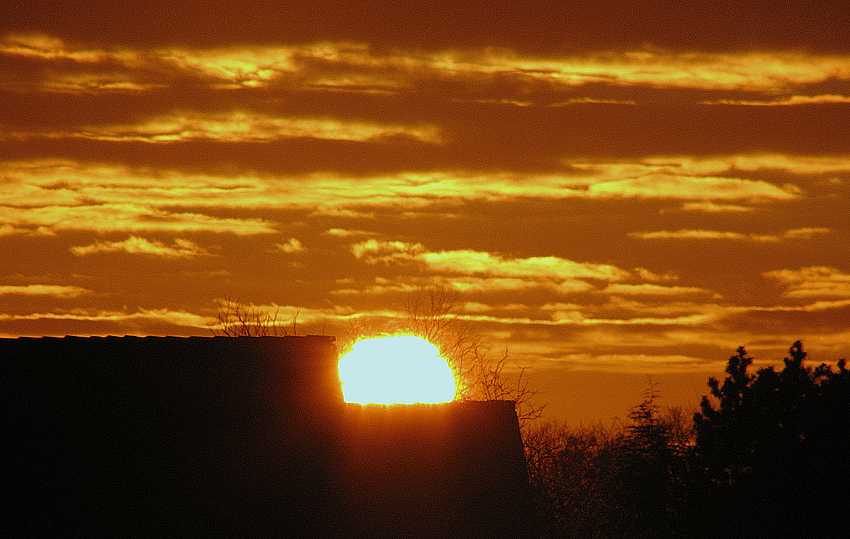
{"type": "Point", "coordinates": [402, 369]}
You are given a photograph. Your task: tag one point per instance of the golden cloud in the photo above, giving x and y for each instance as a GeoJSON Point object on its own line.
{"type": "Point", "coordinates": [126, 217]}
{"type": "Point", "coordinates": [356, 66]}
{"type": "Point", "coordinates": [293, 245]}
{"type": "Point", "coordinates": [638, 363]}
{"type": "Point", "coordinates": [374, 251]}
{"type": "Point", "coordinates": [548, 267]}
{"type": "Point", "coordinates": [49, 190]}
{"type": "Point", "coordinates": [712, 207]}
{"type": "Point", "coordinates": [56, 291]}
{"type": "Point", "coordinates": [690, 187]}
{"type": "Point", "coordinates": [798, 164]}
{"type": "Point", "coordinates": [690, 234]}
{"type": "Point", "coordinates": [805, 232]}
{"type": "Point", "coordinates": [812, 281]}
{"type": "Point", "coordinates": [242, 126]}
{"type": "Point", "coordinates": [656, 290]}
{"type": "Point", "coordinates": [181, 248]}
{"type": "Point", "coordinates": [160, 316]}
{"type": "Point", "coordinates": [469, 262]}
{"type": "Point", "coordinates": [784, 102]}
{"type": "Point", "coordinates": [346, 233]}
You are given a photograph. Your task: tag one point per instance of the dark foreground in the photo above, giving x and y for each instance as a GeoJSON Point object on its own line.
{"type": "Point", "coordinates": [243, 437]}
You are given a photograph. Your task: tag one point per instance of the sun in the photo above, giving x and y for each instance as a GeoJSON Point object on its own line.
{"type": "Point", "coordinates": [403, 369]}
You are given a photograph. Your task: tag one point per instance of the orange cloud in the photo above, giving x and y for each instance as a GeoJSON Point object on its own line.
{"type": "Point", "coordinates": [656, 290]}
{"type": "Point", "coordinates": [716, 165]}
{"type": "Point", "coordinates": [689, 234]}
{"type": "Point", "coordinates": [477, 262]}
{"type": "Point", "coordinates": [784, 102]}
{"type": "Point", "coordinates": [126, 217]}
{"type": "Point", "coordinates": [155, 316]}
{"type": "Point", "coordinates": [701, 188]}
{"type": "Point", "coordinates": [140, 246]}
{"type": "Point", "coordinates": [293, 245]}
{"type": "Point", "coordinates": [374, 251]}
{"type": "Point", "coordinates": [638, 363]}
{"type": "Point", "coordinates": [805, 232]}
{"type": "Point", "coordinates": [712, 207]}
{"type": "Point", "coordinates": [346, 233]}
{"type": "Point", "coordinates": [246, 127]}
{"type": "Point", "coordinates": [468, 262]}
{"type": "Point", "coordinates": [358, 67]}
{"type": "Point", "coordinates": [57, 291]}
{"type": "Point", "coordinates": [812, 281]}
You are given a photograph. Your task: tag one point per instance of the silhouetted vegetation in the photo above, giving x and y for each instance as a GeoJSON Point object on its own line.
{"type": "Point", "coordinates": [237, 319]}
{"type": "Point", "coordinates": [772, 455]}
{"type": "Point", "coordinates": [765, 456]}
{"type": "Point", "coordinates": [434, 313]}
{"type": "Point", "coordinates": [610, 482]}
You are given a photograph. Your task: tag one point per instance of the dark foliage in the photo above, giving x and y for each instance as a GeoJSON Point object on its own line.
{"type": "Point", "coordinates": [766, 456]}
{"type": "Point", "coordinates": [602, 482]}
{"type": "Point", "coordinates": [771, 458]}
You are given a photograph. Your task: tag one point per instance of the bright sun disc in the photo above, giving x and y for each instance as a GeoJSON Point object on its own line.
{"type": "Point", "coordinates": [404, 369]}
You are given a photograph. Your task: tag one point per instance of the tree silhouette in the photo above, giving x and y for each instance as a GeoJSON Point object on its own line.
{"type": "Point", "coordinates": [771, 456]}
{"type": "Point", "coordinates": [618, 482]}
{"type": "Point", "coordinates": [767, 457]}
{"type": "Point", "coordinates": [653, 466]}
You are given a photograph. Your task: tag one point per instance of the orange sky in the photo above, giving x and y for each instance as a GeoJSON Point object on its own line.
{"type": "Point", "coordinates": [615, 189]}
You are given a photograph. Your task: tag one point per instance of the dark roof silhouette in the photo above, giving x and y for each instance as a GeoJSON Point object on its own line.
{"type": "Point", "coordinates": [243, 437]}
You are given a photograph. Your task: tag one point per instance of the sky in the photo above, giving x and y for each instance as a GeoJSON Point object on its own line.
{"type": "Point", "coordinates": [615, 190]}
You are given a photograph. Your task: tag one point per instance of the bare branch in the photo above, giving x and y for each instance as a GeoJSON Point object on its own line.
{"type": "Point", "coordinates": [237, 319]}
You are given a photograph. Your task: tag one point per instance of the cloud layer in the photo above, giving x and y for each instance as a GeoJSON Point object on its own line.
{"type": "Point", "coordinates": [607, 186]}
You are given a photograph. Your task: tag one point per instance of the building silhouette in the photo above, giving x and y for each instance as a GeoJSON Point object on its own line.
{"type": "Point", "coordinates": [243, 437]}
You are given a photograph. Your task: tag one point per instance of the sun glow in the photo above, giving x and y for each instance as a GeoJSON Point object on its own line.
{"type": "Point", "coordinates": [402, 369]}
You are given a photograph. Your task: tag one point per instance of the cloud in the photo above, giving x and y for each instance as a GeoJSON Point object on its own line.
{"type": "Point", "coordinates": [356, 66]}
{"type": "Point", "coordinates": [638, 363]}
{"type": "Point", "coordinates": [244, 127]}
{"type": "Point", "coordinates": [157, 316]}
{"type": "Point", "coordinates": [688, 187]}
{"type": "Point", "coordinates": [805, 232]}
{"type": "Point", "coordinates": [812, 281]}
{"type": "Point", "coordinates": [577, 318]}
{"type": "Point", "coordinates": [784, 102]}
{"type": "Point", "coordinates": [374, 251]}
{"type": "Point", "coordinates": [726, 164]}
{"type": "Point", "coordinates": [489, 284]}
{"type": "Point", "coordinates": [712, 207]}
{"type": "Point", "coordinates": [127, 217]}
{"type": "Point", "coordinates": [469, 262]}
{"type": "Point", "coordinates": [56, 291]}
{"type": "Point", "coordinates": [646, 289]}
{"type": "Point", "coordinates": [346, 233]}
{"type": "Point", "coordinates": [9, 230]}
{"type": "Point", "coordinates": [181, 248]}
{"type": "Point", "coordinates": [468, 284]}
{"type": "Point", "coordinates": [292, 245]}
{"type": "Point", "coordinates": [690, 234]}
